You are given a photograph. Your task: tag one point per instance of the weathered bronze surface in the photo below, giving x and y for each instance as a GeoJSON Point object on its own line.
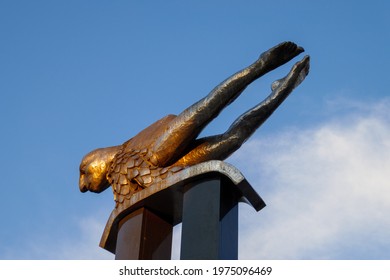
{"type": "Point", "coordinates": [171, 144]}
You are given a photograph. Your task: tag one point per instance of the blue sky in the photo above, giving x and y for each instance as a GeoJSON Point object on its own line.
{"type": "Point", "coordinates": [78, 75]}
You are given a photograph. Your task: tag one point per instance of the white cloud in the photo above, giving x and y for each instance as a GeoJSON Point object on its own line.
{"type": "Point", "coordinates": [327, 190]}
{"type": "Point", "coordinates": [84, 245]}
{"type": "Point", "coordinates": [87, 247]}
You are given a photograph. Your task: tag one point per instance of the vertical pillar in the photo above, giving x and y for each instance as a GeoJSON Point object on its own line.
{"type": "Point", "coordinates": [143, 235]}
{"type": "Point", "coordinates": [209, 222]}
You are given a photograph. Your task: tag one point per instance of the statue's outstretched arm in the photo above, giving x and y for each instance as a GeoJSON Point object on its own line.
{"type": "Point", "coordinates": [170, 146]}
{"type": "Point", "coordinates": [221, 146]}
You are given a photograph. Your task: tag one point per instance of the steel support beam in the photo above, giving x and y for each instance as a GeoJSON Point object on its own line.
{"type": "Point", "coordinates": [144, 235]}
{"type": "Point", "coordinates": [210, 221]}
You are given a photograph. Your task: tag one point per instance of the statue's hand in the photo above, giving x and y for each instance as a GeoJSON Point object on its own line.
{"type": "Point", "coordinates": [280, 55]}
{"type": "Point", "coordinates": [296, 75]}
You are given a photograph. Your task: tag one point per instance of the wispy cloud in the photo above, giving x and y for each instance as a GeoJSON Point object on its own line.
{"type": "Point", "coordinates": [84, 245]}
{"type": "Point", "coordinates": [327, 190]}
{"type": "Point", "coordinates": [87, 246]}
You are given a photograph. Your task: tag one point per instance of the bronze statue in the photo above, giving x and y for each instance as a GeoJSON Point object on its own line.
{"type": "Point", "coordinates": [171, 143]}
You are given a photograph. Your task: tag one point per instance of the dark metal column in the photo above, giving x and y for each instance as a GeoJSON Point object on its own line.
{"type": "Point", "coordinates": [210, 221]}
{"type": "Point", "coordinates": [143, 235]}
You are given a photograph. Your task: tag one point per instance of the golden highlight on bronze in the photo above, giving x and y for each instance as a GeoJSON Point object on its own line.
{"type": "Point", "coordinates": [171, 144]}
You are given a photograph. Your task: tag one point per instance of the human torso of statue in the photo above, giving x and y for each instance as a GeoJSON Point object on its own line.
{"type": "Point", "coordinates": [134, 168]}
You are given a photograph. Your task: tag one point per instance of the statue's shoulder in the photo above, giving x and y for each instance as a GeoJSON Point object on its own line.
{"type": "Point", "coordinates": [148, 136]}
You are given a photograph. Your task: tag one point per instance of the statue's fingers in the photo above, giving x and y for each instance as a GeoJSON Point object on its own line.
{"type": "Point", "coordinates": [293, 48]}
{"type": "Point", "coordinates": [280, 54]}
